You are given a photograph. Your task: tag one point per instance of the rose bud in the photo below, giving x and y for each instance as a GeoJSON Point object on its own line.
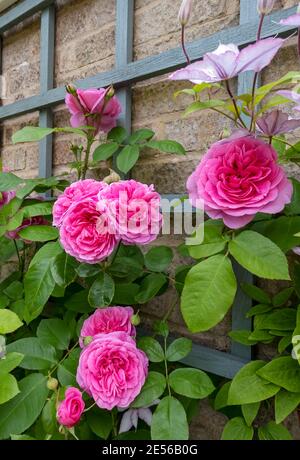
{"type": "Point", "coordinates": [52, 384]}
{"type": "Point", "coordinates": [135, 320]}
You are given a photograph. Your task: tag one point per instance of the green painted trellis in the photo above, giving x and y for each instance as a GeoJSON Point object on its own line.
{"type": "Point", "coordinates": [125, 73]}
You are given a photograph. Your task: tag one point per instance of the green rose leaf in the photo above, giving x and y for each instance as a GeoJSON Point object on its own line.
{"type": "Point", "coordinates": [100, 422]}
{"type": "Point", "coordinates": [38, 285]}
{"type": "Point", "coordinates": [274, 432]}
{"type": "Point", "coordinates": [15, 290]}
{"type": "Point", "coordinates": [153, 388]}
{"type": "Point", "coordinates": [9, 321]}
{"type": "Point", "coordinates": [191, 383]}
{"type": "Point", "coordinates": [282, 320]}
{"type": "Point", "coordinates": [31, 134]}
{"type": "Point", "coordinates": [159, 258]}
{"type": "Point", "coordinates": [117, 134]}
{"type": "Point", "coordinates": [87, 270]}
{"type": "Point", "coordinates": [169, 421]}
{"type": "Point", "coordinates": [10, 362]}
{"type": "Point", "coordinates": [105, 151]}
{"type": "Point", "coordinates": [281, 231]}
{"type": "Point", "coordinates": [64, 269]}
{"type": "Point", "coordinates": [9, 181]}
{"type": "Point", "coordinates": [282, 297]}
{"type": "Point", "coordinates": [208, 293]}
{"type": "Point", "coordinates": [48, 417]}
{"type": "Point", "coordinates": [150, 287]}
{"type": "Point", "coordinates": [179, 349]}
{"type": "Point", "coordinates": [102, 291]}
{"type": "Point", "coordinates": [284, 372]}
{"type": "Point", "coordinates": [222, 396]}
{"type": "Point", "coordinates": [248, 387]}
{"type": "Point", "coordinates": [237, 430]}
{"type": "Point", "coordinates": [21, 412]}
{"type": "Point", "coordinates": [167, 146]}
{"type": "Point", "coordinates": [213, 241]}
{"type": "Point", "coordinates": [152, 348]}
{"type": "Point", "coordinates": [256, 293]}
{"type": "Point", "coordinates": [66, 372]}
{"type": "Point", "coordinates": [55, 332]}
{"type": "Point", "coordinates": [37, 355]}
{"type": "Point", "coordinates": [285, 403]}
{"type": "Point", "coordinates": [141, 135]}
{"type": "Point", "coordinates": [39, 233]}
{"type": "Point", "coordinates": [125, 294]}
{"type": "Point", "coordinates": [259, 255]}
{"type": "Point", "coordinates": [127, 158]}
{"type": "Point", "coordinates": [8, 388]}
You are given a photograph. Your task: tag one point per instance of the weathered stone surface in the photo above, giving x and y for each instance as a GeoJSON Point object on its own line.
{"type": "Point", "coordinates": [208, 425]}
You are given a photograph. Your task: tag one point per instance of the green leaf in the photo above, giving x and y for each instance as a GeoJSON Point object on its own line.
{"type": "Point", "coordinates": [125, 294]}
{"type": "Point", "coordinates": [21, 412]}
{"type": "Point", "coordinates": [261, 336]}
{"type": "Point", "coordinates": [208, 293]}
{"type": "Point", "coordinates": [63, 269]}
{"type": "Point", "coordinates": [213, 241]}
{"type": "Point", "coordinates": [4, 301]}
{"type": "Point", "coordinates": [169, 421]}
{"type": "Point", "coordinates": [39, 233]}
{"type": "Point", "coordinates": [8, 388]}
{"type": "Point", "coordinates": [10, 362]}
{"type": "Point", "coordinates": [259, 310]}
{"type": "Point", "coordinates": [105, 151]}
{"type": "Point", "coordinates": [152, 348]}
{"type": "Point", "coordinates": [191, 383]}
{"type": "Point", "coordinates": [198, 106]}
{"type": "Point", "coordinates": [49, 251]}
{"type": "Point", "coordinates": [79, 302]}
{"type": "Point", "coordinates": [179, 349]}
{"type": "Point", "coordinates": [66, 372]}
{"type": "Point", "coordinates": [256, 293]}
{"type": "Point", "coordinates": [237, 430]}
{"type": "Point", "coordinates": [167, 146]}
{"type": "Point", "coordinates": [283, 343]}
{"type": "Point", "coordinates": [37, 355]}
{"type": "Point", "coordinates": [127, 158]}
{"type": "Point", "coordinates": [100, 422]}
{"type": "Point", "coordinates": [242, 336]}
{"type": "Point", "coordinates": [281, 231]}
{"type": "Point", "coordinates": [143, 134]}
{"type": "Point", "coordinates": [55, 332]}
{"type": "Point", "coordinates": [259, 256]}
{"type": "Point", "coordinates": [250, 412]}
{"type": "Point", "coordinates": [9, 181]}
{"type": "Point", "coordinates": [159, 258]}
{"type": "Point", "coordinates": [248, 387]}
{"type": "Point", "coordinates": [31, 134]}
{"type": "Point", "coordinates": [282, 297]}
{"type": "Point", "coordinates": [15, 290]}
{"type": "Point", "coordinates": [102, 291]}
{"type": "Point", "coordinates": [22, 437]}
{"type": "Point", "coordinates": [48, 417]}
{"type": "Point", "coordinates": [150, 287]}
{"type": "Point", "coordinates": [285, 403]}
{"type": "Point", "coordinates": [284, 372]}
{"type": "Point", "coordinates": [37, 209]}
{"type": "Point", "coordinates": [294, 207]}
{"type": "Point", "coordinates": [153, 389]}
{"type": "Point", "coordinates": [283, 320]}
{"type": "Point", "coordinates": [274, 432]}
{"type": "Point", "coordinates": [9, 321]}
{"type": "Point", "coordinates": [117, 134]}
{"type": "Point", "coordinates": [38, 285]}
{"type": "Point", "coordinates": [127, 268]}
{"type": "Point", "coordinates": [87, 270]}
{"type": "Point", "coordinates": [222, 396]}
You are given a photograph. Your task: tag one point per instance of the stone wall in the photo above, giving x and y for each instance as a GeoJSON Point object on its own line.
{"type": "Point", "coordinates": [84, 46]}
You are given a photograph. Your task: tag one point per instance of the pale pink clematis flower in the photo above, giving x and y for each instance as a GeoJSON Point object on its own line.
{"type": "Point", "coordinates": [293, 21]}
{"type": "Point", "coordinates": [277, 122]}
{"type": "Point", "coordinates": [227, 61]}
{"type": "Point", "coordinates": [131, 417]}
{"type": "Point", "coordinates": [293, 96]}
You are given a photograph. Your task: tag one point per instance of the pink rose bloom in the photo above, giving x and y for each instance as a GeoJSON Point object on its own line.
{"type": "Point", "coordinates": [77, 191]}
{"type": "Point", "coordinates": [70, 409]}
{"type": "Point", "coordinates": [106, 320]}
{"type": "Point", "coordinates": [135, 210]}
{"type": "Point", "coordinates": [6, 197]}
{"type": "Point", "coordinates": [14, 234]}
{"type": "Point", "coordinates": [93, 107]}
{"type": "Point", "coordinates": [86, 233]}
{"type": "Point", "coordinates": [237, 179]}
{"type": "Point", "coordinates": [112, 370]}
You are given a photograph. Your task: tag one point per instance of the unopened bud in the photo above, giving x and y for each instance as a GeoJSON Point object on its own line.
{"type": "Point", "coordinates": [110, 93]}
{"type": "Point", "coordinates": [135, 319]}
{"type": "Point", "coordinates": [185, 12]}
{"type": "Point", "coordinates": [71, 90]}
{"type": "Point", "coordinates": [87, 340]}
{"type": "Point", "coordinates": [113, 177]}
{"type": "Point", "coordinates": [52, 384]}
{"type": "Point", "coordinates": [265, 6]}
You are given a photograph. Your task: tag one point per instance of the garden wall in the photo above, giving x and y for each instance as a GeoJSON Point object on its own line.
{"type": "Point", "coordinates": [85, 46]}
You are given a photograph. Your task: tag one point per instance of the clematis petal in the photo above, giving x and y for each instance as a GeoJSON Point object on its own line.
{"type": "Point", "coordinates": [126, 422]}
{"type": "Point", "coordinates": [292, 95]}
{"type": "Point", "coordinates": [145, 415]}
{"type": "Point", "coordinates": [259, 55]}
{"type": "Point", "coordinates": [293, 21]}
{"type": "Point", "coordinates": [277, 122]}
{"type": "Point", "coordinates": [198, 72]}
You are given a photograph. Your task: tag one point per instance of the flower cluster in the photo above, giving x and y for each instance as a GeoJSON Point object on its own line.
{"type": "Point", "coordinates": [93, 217]}
{"type": "Point", "coordinates": [112, 370]}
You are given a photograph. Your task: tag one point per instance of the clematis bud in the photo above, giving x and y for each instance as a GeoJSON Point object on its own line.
{"type": "Point", "coordinates": [265, 6]}
{"type": "Point", "coordinates": [185, 12]}
{"type": "Point", "coordinates": [52, 384]}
